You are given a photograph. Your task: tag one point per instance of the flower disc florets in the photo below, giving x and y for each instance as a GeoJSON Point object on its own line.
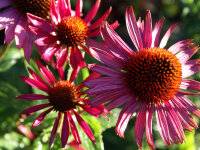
{"type": "Point", "coordinates": [154, 75]}
{"type": "Point", "coordinates": [37, 7]}
{"type": "Point", "coordinates": [63, 96]}
{"type": "Point", "coordinates": [72, 30]}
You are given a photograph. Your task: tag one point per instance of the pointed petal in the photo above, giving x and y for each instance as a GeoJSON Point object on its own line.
{"type": "Point", "coordinates": [32, 97]}
{"type": "Point", "coordinates": [65, 130]}
{"type": "Point", "coordinates": [62, 58]}
{"type": "Point", "coordinates": [41, 117]}
{"type": "Point", "coordinates": [55, 127]}
{"type": "Point", "coordinates": [76, 58]}
{"type": "Point", "coordinates": [92, 12]}
{"type": "Point", "coordinates": [133, 29]}
{"type": "Point", "coordinates": [147, 41]}
{"type": "Point", "coordinates": [35, 108]}
{"type": "Point", "coordinates": [188, 84]}
{"type": "Point", "coordinates": [167, 35]}
{"type": "Point", "coordinates": [79, 7]}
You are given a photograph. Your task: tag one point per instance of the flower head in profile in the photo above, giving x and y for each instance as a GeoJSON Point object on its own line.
{"type": "Point", "coordinates": [66, 32]}
{"type": "Point", "coordinates": [13, 18]}
{"type": "Point", "coordinates": [64, 97]}
{"type": "Point", "coordinates": [151, 79]}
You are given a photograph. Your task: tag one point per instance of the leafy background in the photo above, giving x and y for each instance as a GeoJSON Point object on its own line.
{"type": "Point", "coordinates": [12, 64]}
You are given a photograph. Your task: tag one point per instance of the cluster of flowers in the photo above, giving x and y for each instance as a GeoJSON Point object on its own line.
{"type": "Point", "coordinates": [150, 78]}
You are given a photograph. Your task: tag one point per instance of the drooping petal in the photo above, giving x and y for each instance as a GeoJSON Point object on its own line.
{"type": "Point", "coordinates": [76, 58]}
{"type": "Point", "coordinates": [61, 73]}
{"type": "Point", "coordinates": [41, 117]}
{"type": "Point", "coordinates": [79, 7]}
{"type": "Point", "coordinates": [20, 32]}
{"type": "Point", "coordinates": [92, 12]}
{"type": "Point", "coordinates": [73, 128]}
{"type": "Point", "coordinates": [125, 115]}
{"type": "Point", "coordinates": [35, 108]}
{"type": "Point", "coordinates": [188, 84]}
{"type": "Point", "coordinates": [45, 41]}
{"type": "Point", "coordinates": [62, 58]}
{"type": "Point", "coordinates": [104, 70]}
{"type": "Point", "coordinates": [190, 67]}
{"type": "Point", "coordinates": [147, 39]}
{"type": "Point", "coordinates": [35, 84]}
{"type": "Point", "coordinates": [65, 130]}
{"type": "Point", "coordinates": [5, 3]}
{"type": "Point", "coordinates": [140, 124]}
{"type": "Point", "coordinates": [55, 127]}
{"type": "Point", "coordinates": [149, 117]}
{"type": "Point", "coordinates": [84, 127]}
{"type": "Point", "coordinates": [74, 73]}
{"type": "Point", "coordinates": [133, 29]}
{"type": "Point", "coordinates": [162, 124]}
{"type": "Point", "coordinates": [63, 9]}
{"type": "Point", "coordinates": [53, 12]}
{"type": "Point", "coordinates": [32, 97]}
{"type": "Point", "coordinates": [167, 35]}
{"type": "Point", "coordinates": [49, 53]}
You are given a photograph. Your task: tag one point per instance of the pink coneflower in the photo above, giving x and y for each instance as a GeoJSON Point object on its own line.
{"type": "Point", "coordinates": [13, 18]}
{"type": "Point", "coordinates": [152, 77]}
{"type": "Point", "coordinates": [65, 98]}
{"type": "Point", "coordinates": [66, 32]}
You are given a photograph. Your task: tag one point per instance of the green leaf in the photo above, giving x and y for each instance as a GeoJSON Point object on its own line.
{"type": "Point", "coordinates": [190, 144]}
{"type": "Point", "coordinates": [10, 58]}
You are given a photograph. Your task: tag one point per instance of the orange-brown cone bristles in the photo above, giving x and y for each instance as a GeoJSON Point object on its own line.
{"type": "Point", "coordinates": [154, 75]}
{"type": "Point", "coordinates": [39, 8]}
{"type": "Point", "coordinates": [63, 96]}
{"type": "Point", "coordinates": [71, 30]}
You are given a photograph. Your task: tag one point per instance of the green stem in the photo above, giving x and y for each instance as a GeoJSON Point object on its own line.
{"type": "Point", "coordinates": [2, 54]}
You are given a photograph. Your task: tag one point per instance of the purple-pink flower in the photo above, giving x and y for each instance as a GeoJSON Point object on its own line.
{"type": "Point", "coordinates": [150, 79]}
{"type": "Point", "coordinates": [13, 18]}
{"type": "Point", "coordinates": [63, 97]}
{"type": "Point", "coordinates": [66, 32]}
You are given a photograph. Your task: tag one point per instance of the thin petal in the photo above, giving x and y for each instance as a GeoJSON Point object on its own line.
{"type": "Point", "coordinates": [79, 7]}
{"type": "Point", "coordinates": [76, 58]}
{"type": "Point", "coordinates": [147, 41]}
{"type": "Point", "coordinates": [41, 117]}
{"type": "Point", "coordinates": [133, 29]}
{"type": "Point", "coordinates": [91, 14]}
{"type": "Point", "coordinates": [32, 97]}
{"type": "Point", "coordinates": [62, 58]}
{"type": "Point", "coordinates": [188, 84]}
{"type": "Point", "coordinates": [65, 130]}
{"type": "Point", "coordinates": [84, 127]}
{"type": "Point", "coordinates": [190, 67]}
{"type": "Point", "coordinates": [55, 127]}
{"type": "Point", "coordinates": [167, 35]}
{"type": "Point", "coordinates": [35, 108]}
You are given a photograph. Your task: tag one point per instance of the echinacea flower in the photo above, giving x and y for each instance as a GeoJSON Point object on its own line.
{"type": "Point", "coordinates": [13, 18]}
{"type": "Point", "coordinates": [63, 97]}
{"type": "Point", "coordinates": [152, 78]}
{"type": "Point", "coordinates": [66, 32]}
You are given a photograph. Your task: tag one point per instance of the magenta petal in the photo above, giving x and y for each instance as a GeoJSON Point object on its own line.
{"type": "Point", "coordinates": [149, 117]}
{"type": "Point", "coordinates": [32, 96]}
{"type": "Point", "coordinates": [41, 117]}
{"type": "Point", "coordinates": [45, 41]}
{"type": "Point", "coordinates": [147, 41]}
{"type": "Point", "coordinates": [35, 84]}
{"type": "Point", "coordinates": [61, 73]}
{"type": "Point", "coordinates": [53, 12]}
{"type": "Point", "coordinates": [49, 52]}
{"type": "Point", "coordinates": [133, 29]}
{"type": "Point", "coordinates": [79, 7]}
{"type": "Point", "coordinates": [97, 23]}
{"type": "Point", "coordinates": [186, 54]}
{"type": "Point", "coordinates": [46, 73]}
{"type": "Point", "coordinates": [55, 127]}
{"type": "Point", "coordinates": [105, 70]}
{"type": "Point", "coordinates": [174, 124]}
{"type": "Point", "coordinates": [63, 9]}
{"type": "Point", "coordinates": [74, 74]}
{"type": "Point", "coordinates": [90, 15]}
{"type": "Point", "coordinates": [175, 48]}
{"type": "Point", "coordinates": [62, 58]}
{"type": "Point", "coordinates": [167, 35]}
{"type": "Point", "coordinates": [188, 105]}
{"type": "Point", "coordinates": [84, 127]}
{"type": "Point", "coordinates": [162, 124]}
{"type": "Point", "coordinates": [156, 32]}
{"type": "Point", "coordinates": [65, 130]}
{"type": "Point", "coordinates": [76, 58]}
{"type": "Point", "coordinates": [95, 111]}
{"type": "Point", "coordinates": [35, 108]}
{"type": "Point", "coordinates": [190, 68]}
{"type": "Point", "coordinates": [20, 32]}
{"type": "Point", "coordinates": [5, 3]}
{"type": "Point", "coordinates": [125, 115]}
{"type": "Point", "coordinates": [73, 128]}
{"type": "Point", "coordinates": [40, 23]}
{"type": "Point", "coordinates": [188, 84]}
{"type": "Point", "coordinates": [140, 125]}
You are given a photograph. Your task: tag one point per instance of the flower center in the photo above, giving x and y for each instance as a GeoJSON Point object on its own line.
{"type": "Point", "coordinates": [71, 30]}
{"type": "Point", "coordinates": [63, 96]}
{"type": "Point", "coordinates": [154, 75]}
{"type": "Point", "coordinates": [36, 7]}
